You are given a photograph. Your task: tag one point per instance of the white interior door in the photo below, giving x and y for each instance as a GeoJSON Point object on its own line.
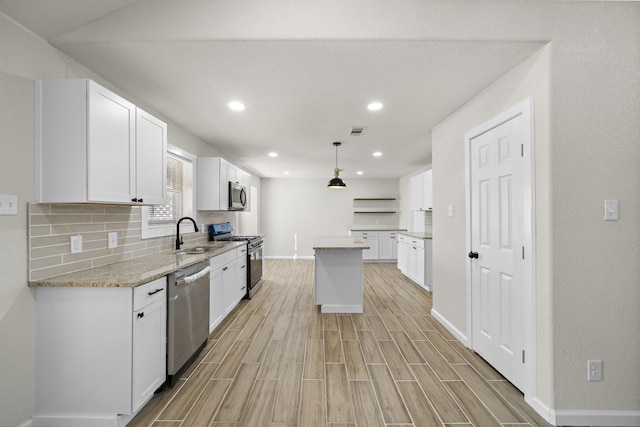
{"type": "Point", "coordinates": [499, 303]}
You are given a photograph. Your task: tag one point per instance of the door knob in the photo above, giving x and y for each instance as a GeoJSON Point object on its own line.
{"type": "Point", "coordinates": [473, 254]}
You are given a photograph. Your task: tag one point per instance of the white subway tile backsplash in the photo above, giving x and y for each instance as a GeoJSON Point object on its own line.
{"type": "Point", "coordinates": [51, 225]}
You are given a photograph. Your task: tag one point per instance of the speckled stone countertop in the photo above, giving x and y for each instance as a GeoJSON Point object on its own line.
{"type": "Point", "coordinates": [377, 228]}
{"type": "Point", "coordinates": [417, 234]}
{"type": "Point", "coordinates": [339, 242]}
{"type": "Point", "coordinates": [138, 271]}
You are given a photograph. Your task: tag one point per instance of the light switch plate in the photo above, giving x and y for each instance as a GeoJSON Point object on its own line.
{"type": "Point", "coordinates": [450, 210]}
{"type": "Point", "coordinates": [112, 240]}
{"type": "Point", "coordinates": [610, 210]}
{"type": "Point", "coordinates": [8, 204]}
{"type": "Point", "coordinates": [76, 244]}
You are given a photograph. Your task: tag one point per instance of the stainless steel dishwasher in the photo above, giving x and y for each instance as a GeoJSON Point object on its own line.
{"type": "Point", "coordinates": [187, 317]}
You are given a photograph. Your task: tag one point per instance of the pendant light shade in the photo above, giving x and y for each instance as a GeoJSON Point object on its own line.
{"type": "Point", "coordinates": [336, 182]}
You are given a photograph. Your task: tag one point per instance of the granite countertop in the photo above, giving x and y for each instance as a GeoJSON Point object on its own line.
{"type": "Point", "coordinates": [339, 242]}
{"type": "Point", "coordinates": [377, 228]}
{"type": "Point", "coordinates": [138, 271]}
{"type": "Point", "coordinates": [418, 234]}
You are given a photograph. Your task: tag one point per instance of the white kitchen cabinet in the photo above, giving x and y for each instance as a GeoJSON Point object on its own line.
{"type": "Point", "coordinates": [228, 284]}
{"type": "Point", "coordinates": [382, 245]}
{"type": "Point", "coordinates": [149, 346]}
{"type": "Point", "coordinates": [105, 345]}
{"type": "Point", "coordinates": [387, 245]}
{"type": "Point", "coordinates": [87, 146]}
{"type": "Point", "coordinates": [403, 254]}
{"type": "Point", "coordinates": [214, 175]}
{"type": "Point", "coordinates": [420, 191]}
{"type": "Point", "coordinates": [371, 239]}
{"type": "Point", "coordinates": [415, 259]}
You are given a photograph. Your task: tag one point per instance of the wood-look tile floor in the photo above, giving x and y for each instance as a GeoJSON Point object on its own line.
{"type": "Point", "coordinates": [277, 361]}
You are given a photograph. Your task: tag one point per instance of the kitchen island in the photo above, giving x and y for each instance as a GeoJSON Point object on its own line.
{"type": "Point", "coordinates": [338, 274]}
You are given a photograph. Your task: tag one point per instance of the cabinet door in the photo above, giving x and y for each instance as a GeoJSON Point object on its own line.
{"type": "Point", "coordinates": [149, 351]}
{"type": "Point", "coordinates": [403, 256]}
{"type": "Point", "coordinates": [224, 185]}
{"type": "Point", "coordinates": [241, 278]}
{"type": "Point", "coordinates": [151, 155]}
{"type": "Point", "coordinates": [386, 245]}
{"type": "Point", "coordinates": [394, 245]}
{"type": "Point", "coordinates": [229, 286]}
{"type": "Point", "coordinates": [419, 266]}
{"type": "Point", "coordinates": [427, 192]}
{"type": "Point", "coordinates": [415, 192]}
{"type": "Point", "coordinates": [216, 299]}
{"type": "Point", "coordinates": [111, 147]}
{"type": "Point", "coordinates": [412, 263]}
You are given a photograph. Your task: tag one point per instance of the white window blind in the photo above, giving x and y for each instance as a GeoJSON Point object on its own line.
{"type": "Point", "coordinates": [171, 211]}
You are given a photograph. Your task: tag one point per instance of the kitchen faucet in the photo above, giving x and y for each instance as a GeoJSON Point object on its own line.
{"type": "Point", "coordinates": [178, 238]}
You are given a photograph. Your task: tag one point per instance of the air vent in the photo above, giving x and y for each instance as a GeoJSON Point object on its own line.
{"type": "Point", "coordinates": [357, 130]}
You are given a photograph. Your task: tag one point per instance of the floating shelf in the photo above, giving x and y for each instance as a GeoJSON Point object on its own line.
{"type": "Point", "coordinates": [374, 212]}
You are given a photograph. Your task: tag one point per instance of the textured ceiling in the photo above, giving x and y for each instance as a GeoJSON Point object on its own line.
{"type": "Point", "coordinates": [301, 95]}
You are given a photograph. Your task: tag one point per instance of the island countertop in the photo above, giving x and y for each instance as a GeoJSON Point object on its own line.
{"type": "Point", "coordinates": [417, 234]}
{"type": "Point", "coordinates": [339, 242]}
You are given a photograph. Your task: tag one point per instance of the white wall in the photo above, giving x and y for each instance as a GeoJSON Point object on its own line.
{"type": "Point", "coordinates": [586, 88]}
{"type": "Point", "coordinates": [531, 78]}
{"type": "Point", "coordinates": [23, 58]}
{"type": "Point", "coordinates": [295, 211]}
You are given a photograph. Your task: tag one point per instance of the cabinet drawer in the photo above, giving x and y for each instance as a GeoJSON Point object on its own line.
{"type": "Point", "coordinates": [219, 261]}
{"type": "Point", "coordinates": [241, 251]}
{"type": "Point", "coordinates": [149, 293]}
{"type": "Point", "coordinates": [418, 243]}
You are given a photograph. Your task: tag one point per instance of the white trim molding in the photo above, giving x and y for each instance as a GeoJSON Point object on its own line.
{"type": "Point", "coordinates": [449, 326]}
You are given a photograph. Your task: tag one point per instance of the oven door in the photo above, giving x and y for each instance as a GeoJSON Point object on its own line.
{"type": "Point", "coordinates": [255, 269]}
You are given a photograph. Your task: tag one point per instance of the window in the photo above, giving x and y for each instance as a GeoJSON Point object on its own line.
{"type": "Point", "coordinates": [160, 220]}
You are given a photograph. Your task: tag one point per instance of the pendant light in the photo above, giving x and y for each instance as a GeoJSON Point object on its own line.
{"type": "Point", "coordinates": [336, 182]}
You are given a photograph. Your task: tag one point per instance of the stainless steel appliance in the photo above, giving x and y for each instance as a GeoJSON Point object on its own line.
{"type": "Point", "coordinates": [187, 317]}
{"type": "Point", "coordinates": [237, 197]}
{"type": "Point", "coordinates": [222, 232]}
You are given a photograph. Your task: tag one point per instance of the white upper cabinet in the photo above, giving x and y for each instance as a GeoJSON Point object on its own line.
{"type": "Point", "coordinates": [92, 145]}
{"type": "Point", "coordinates": [214, 176]}
{"type": "Point", "coordinates": [421, 193]}
{"type": "Point", "coordinates": [151, 158]}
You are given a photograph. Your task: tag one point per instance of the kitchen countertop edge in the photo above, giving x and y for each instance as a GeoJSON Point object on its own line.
{"type": "Point", "coordinates": [134, 272]}
{"type": "Point", "coordinates": [417, 234]}
{"type": "Point", "coordinates": [338, 242]}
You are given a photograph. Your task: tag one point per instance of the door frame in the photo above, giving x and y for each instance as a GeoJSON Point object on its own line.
{"type": "Point", "coordinates": [525, 109]}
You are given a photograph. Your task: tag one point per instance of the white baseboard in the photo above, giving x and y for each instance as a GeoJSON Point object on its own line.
{"type": "Point", "coordinates": [455, 331]}
{"type": "Point", "coordinates": [584, 417]}
{"type": "Point", "coordinates": [596, 418]}
{"type": "Point", "coordinates": [327, 308]}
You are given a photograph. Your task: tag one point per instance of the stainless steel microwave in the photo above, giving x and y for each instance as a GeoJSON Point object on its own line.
{"type": "Point", "coordinates": [237, 197]}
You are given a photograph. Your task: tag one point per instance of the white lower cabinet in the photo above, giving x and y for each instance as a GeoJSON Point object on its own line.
{"type": "Point", "coordinates": [382, 245]}
{"type": "Point", "coordinates": [228, 284]}
{"type": "Point", "coordinates": [415, 259]}
{"type": "Point", "coordinates": [100, 352]}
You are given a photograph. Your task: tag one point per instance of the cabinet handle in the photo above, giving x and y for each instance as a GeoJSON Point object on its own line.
{"type": "Point", "coordinates": [243, 266]}
{"type": "Point", "coordinates": [243, 288]}
{"type": "Point", "coordinates": [141, 315]}
{"type": "Point", "coordinates": [134, 200]}
{"type": "Point", "coordinates": [155, 292]}
{"type": "Point", "coordinates": [225, 268]}
{"type": "Point", "coordinates": [140, 200]}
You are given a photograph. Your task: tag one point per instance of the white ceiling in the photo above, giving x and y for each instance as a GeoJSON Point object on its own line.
{"type": "Point", "coordinates": [301, 95]}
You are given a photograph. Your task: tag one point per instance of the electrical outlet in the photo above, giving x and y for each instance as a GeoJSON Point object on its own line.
{"type": "Point", "coordinates": [112, 241]}
{"type": "Point", "coordinates": [594, 370]}
{"type": "Point", "coordinates": [450, 210]}
{"type": "Point", "coordinates": [76, 244]}
{"type": "Point", "coordinates": [8, 204]}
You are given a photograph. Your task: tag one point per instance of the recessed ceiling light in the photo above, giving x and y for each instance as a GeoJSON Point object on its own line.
{"type": "Point", "coordinates": [375, 106]}
{"type": "Point", "coordinates": [273, 154]}
{"type": "Point", "coordinates": [377, 154]}
{"type": "Point", "coordinates": [286, 172]}
{"type": "Point", "coordinates": [236, 106]}
{"type": "Point", "coordinates": [359, 172]}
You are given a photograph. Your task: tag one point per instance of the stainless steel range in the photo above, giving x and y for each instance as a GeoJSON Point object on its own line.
{"type": "Point", "coordinates": [222, 232]}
